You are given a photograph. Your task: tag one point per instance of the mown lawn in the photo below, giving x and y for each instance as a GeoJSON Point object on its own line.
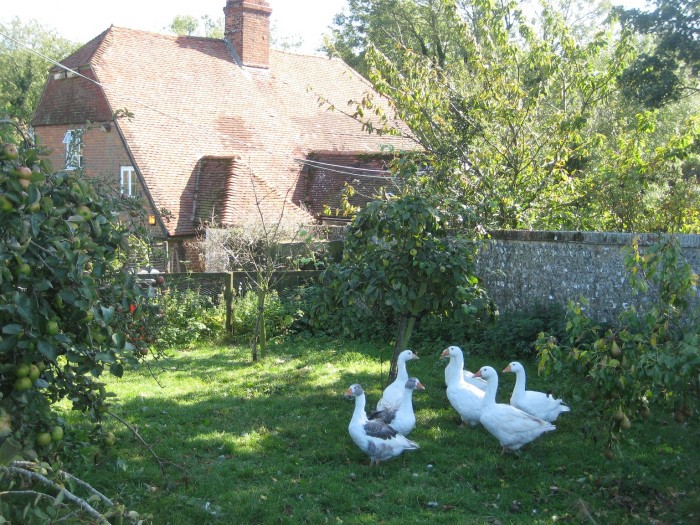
{"type": "Point", "coordinates": [267, 442]}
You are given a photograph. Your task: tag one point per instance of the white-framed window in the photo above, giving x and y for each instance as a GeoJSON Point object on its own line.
{"type": "Point", "coordinates": [73, 139]}
{"type": "Point", "coordinates": [128, 181]}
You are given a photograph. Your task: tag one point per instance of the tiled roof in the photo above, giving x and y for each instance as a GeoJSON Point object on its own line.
{"type": "Point", "coordinates": [210, 203]}
{"type": "Point", "coordinates": [192, 103]}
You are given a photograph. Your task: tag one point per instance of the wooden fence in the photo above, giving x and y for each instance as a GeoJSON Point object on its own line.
{"type": "Point", "coordinates": [224, 286]}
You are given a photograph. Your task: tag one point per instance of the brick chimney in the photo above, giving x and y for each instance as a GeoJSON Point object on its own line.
{"type": "Point", "coordinates": [247, 29]}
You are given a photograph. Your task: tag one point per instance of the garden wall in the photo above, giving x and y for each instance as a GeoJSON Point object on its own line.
{"type": "Point", "coordinates": [520, 269]}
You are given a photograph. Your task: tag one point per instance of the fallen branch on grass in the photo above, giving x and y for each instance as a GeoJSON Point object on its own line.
{"type": "Point", "coordinates": [161, 462]}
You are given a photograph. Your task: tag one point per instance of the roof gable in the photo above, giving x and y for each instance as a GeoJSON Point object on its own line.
{"type": "Point", "coordinates": [70, 100]}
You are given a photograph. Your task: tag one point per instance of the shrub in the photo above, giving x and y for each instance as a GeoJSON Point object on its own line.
{"type": "Point", "coordinates": [188, 316]}
{"type": "Point", "coordinates": [440, 331]}
{"type": "Point", "coordinates": [649, 355]}
{"type": "Point", "coordinates": [513, 336]}
{"type": "Point", "coordinates": [320, 315]}
{"type": "Point", "coordinates": [279, 315]}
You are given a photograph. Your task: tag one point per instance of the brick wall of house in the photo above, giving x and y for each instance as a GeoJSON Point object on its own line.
{"type": "Point", "coordinates": [51, 138]}
{"type": "Point", "coordinates": [103, 152]}
{"type": "Point", "coordinates": [325, 182]}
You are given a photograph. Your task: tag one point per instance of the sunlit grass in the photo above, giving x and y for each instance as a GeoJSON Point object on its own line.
{"type": "Point", "coordinates": [267, 442]}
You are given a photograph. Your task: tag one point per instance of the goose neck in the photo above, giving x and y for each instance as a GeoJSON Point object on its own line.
{"type": "Point", "coordinates": [401, 372]}
{"type": "Point", "coordinates": [519, 382]}
{"type": "Point", "coordinates": [491, 389]}
{"type": "Point", "coordinates": [407, 398]}
{"type": "Point", "coordinates": [359, 415]}
{"type": "Point", "coordinates": [454, 371]}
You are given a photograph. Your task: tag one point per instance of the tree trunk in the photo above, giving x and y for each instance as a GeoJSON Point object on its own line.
{"type": "Point", "coordinates": [254, 342]}
{"type": "Point", "coordinates": [262, 294]}
{"type": "Point", "coordinates": [405, 328]}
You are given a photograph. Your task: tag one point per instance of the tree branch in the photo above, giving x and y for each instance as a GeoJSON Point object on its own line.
{"type": "Point", "coordinates": [35, 476]}
{"type": "Point", "coordinates": [161, 462]}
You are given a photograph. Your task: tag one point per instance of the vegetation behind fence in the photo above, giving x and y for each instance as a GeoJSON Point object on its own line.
{"type": "Point", "coordinates": [224, 286]}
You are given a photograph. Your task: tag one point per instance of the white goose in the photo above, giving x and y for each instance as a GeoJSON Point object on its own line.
{"type": "Point", "coordinates": [544, 406]}
{"type": "Point", "coordinates": [375, 438]}
{"type": "Point", "coordinates": [403, 419]}
{"type": "Point", "coordinates": [468, 376]}
{"type": "Point", "coordinates": [464, 397]}
{"type": "Point", "coordinates": [392, 395]}
{"type": "Point", "coordinates": [511, 426]}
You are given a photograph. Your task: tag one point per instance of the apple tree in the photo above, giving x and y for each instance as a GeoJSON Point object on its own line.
{"type": "Point", "coordinates": [64, 294]}
{"type": "Point", "coordinates": [407, 254]}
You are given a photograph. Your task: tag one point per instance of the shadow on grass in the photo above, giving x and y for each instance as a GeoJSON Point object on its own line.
{"type": "Point", "coordinates": [267, 442]}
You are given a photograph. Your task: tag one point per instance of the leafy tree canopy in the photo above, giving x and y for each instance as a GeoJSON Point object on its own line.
{"type": "Point", "coordinates": [22, 71]}
{"type": "Point", "coordinates": [391, 25]}
{"type": "Point", "coordinates": [184, 25]}
{"type": "Point", "coordinates": [187, 25]}
{"type": "Point", "coordinates": [67, 299]}
{"type": "Point", "coordinates": [522, 122]}
{"type": "Point", "coordinates": [669, 70]}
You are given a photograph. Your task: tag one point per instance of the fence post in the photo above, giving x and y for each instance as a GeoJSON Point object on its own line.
{"type": "Point", "coordinates": [228, 297]}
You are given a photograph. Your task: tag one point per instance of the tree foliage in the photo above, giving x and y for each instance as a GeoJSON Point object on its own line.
{"type": "Point", "coordinates": [642, 186]}
{"type": "Point", "coordinates": [402, 254]}
{"type": "Point", "coordinates": [188, 25]}
{"type": "Point", "coordinates": [670, 69]}
{"type": "Point", "coordinates": [22, 71]}
{"type": "Point", "coordinates": [523, 124]}
{"type": "Point", "coordinates": [66, 299]}
{"type": "Point", "coordinates": [649, 356]}
{"type": "Point", "coordinates": [184, 25]}
{"type": "Point", "coordinates": [391, 25]}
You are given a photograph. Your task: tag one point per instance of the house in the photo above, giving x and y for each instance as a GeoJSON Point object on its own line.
{"type": "Point", "coordinates": [207, 129]}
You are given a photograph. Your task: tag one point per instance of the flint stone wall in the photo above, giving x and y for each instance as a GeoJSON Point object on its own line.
{"type": "Point", "coordinates": [520, 269]}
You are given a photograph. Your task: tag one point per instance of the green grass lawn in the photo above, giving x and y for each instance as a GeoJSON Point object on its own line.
{"type": "Point", "coordinates": [267, 442]}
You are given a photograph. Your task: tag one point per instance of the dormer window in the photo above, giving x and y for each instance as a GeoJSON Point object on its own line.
{"type": "Point", "coordinates": [73, 139]}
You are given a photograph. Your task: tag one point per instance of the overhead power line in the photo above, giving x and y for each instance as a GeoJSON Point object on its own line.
{"type": "Point", "coordinates": [325, 166]}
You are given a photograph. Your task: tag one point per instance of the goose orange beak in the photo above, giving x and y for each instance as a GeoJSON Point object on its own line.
{"type": "Point", "coordinates": [507, 369]}
{"type": "Point", "coordinates": [419, 386]}
{"type": "Point", "coordinates": [477, 374]}
{"type": "Point", "coordinates": [445, 353]}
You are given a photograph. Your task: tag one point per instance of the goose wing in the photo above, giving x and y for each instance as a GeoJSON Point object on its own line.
{"type": "Point", "coordinates": [387, 415]}
{"type": "Point", "coordinates": [379, 429]}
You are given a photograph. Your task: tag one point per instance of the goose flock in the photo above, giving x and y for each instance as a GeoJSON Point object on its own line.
{"type": "Point", "coordinates": [382, 434]}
